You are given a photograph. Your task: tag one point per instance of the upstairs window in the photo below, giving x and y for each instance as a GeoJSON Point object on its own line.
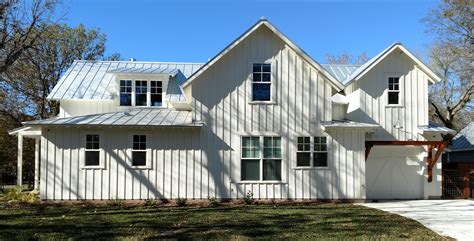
{"type": "Point", "coordinates": [312, 152]}
{"type": "Point", "coordinates": [139, 151]}
{"type": "Point", "coordinates": [393, 90]}
{"type": "Point", "coordinates": [140, 93]}
{"type": "Point", "coordinates": [156, 93]}
{"type": "Point", "coordinates": [261, 82]}
{"type": "Point", "coordinates": [125, 92]}
{"type": "Point", "coordinates": [92, 150]}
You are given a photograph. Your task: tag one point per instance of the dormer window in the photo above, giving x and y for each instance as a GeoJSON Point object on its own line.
{"type": "Point", "coordinates": [261, 82]}
{"type": "Point", "coordinates": [393, 90]}
{"type": "Point", "coordinates": [141, 93]}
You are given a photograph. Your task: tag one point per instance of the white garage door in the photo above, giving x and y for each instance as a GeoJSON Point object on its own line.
{"type": "Point", "coordinates": [394, 173]}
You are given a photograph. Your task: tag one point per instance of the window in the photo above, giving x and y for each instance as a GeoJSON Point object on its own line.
{"type": "Point", "coordinates": [92, 151]}
{"type": "Point", "coordinates": [125, 92]}
{"type": "Point", "coordinates": [139, 151]}
{"type": "Point", "coordinates": [156, 93]}
{"type": "Point", "coordinates": [261, 82]}
{"type": "Point", "coordinates": [393, 90]}
{"type": "Point", "coordinates": [315, 151]}
{"type": "Point", "coordinates": [140, 93]}
{"type": "Point", "coordinates": [258, 165]}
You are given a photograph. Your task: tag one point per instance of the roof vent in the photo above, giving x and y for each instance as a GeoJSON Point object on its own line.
{"type": "Point", "coordinates": [263, 18]}
{"type": "Point", "coordinates": [132, 59]}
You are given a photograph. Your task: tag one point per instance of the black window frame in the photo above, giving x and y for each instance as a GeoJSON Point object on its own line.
{"type": "Point", "coordinates": [262, 80]}
{"type": "Point", "coordinates": [139, 150]}
{"type": "Point", "coordinates": [393, 93]}
{"type": "Point", "coordinates": [92, 150]}
{"type": "Point", "coordinates": [125, 92]}
{"type": "Point", "coordinates": [318, 148]}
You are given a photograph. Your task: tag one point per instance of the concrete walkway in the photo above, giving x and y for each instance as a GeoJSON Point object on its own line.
{"type": "Point", "coordinates": [453, 218]}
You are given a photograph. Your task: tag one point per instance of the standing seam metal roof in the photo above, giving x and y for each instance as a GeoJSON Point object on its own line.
{"type": "Point", "coordinates": [464, 139]}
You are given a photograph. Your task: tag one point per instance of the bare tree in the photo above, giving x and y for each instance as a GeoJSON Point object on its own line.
{"type": "Point", "coordinates": [19, 22]}
{"type": "Point", "coordinates": [452, 57]}
{"type": "Point", "coordinates": [346, 58]}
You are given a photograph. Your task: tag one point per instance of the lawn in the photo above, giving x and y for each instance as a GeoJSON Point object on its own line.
{"type": "Point", "coordinates": [307, 221]}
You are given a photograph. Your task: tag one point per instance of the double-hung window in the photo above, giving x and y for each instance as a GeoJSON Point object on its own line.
{"type": "Point", "coordinates": [393, 90]}
{"type": "Point", "coordinates": [261, 166]}
{"type": "Point", "coordinates": [312, 152]}
{"type": "Point", "coordinates": [156, 93]}
{"type": "Point", "coordinates": [92, 150]}
{"type": "Point", "coordinates": [125, 92]}
{"type": "Point", "coordinates": [139, 151]}
{"type": "Point", "coordinates": [141, 92]}
{"type": "Point", "coordinates": [261, 82]}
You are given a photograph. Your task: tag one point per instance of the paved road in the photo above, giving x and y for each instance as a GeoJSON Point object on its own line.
{"type": "Point", "coordinates": [453, 218]}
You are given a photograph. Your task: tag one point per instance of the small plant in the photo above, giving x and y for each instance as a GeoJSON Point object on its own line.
{"type": "Point", "coordinates": [151, 202]}
{"type": "Point", "coordinates": [248, 198]}
{"type": "Point", "coordinates": [181, 201]}
{"type": "Point", "coordinates": [115, 202]}
{"type": "Point", "coordinates": [15, 195]}
{"type": "Point", "coordinates": [212, 201]}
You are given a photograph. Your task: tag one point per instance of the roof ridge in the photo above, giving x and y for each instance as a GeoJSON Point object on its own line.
{"type": "Point", "coordinates": [138, 62]}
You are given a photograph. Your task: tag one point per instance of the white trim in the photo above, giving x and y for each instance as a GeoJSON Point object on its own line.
{"type": "Point", "coordinates": [332, 80]}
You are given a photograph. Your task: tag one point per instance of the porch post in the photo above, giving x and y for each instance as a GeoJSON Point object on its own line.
{"type": "Point", "coordinates": [19, 174]}
{"type": "Point", "coordinates": [37, 162]}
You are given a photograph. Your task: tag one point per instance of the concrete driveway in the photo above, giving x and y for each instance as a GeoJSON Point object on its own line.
{"type": "Point", "coordinates": [453, 218]}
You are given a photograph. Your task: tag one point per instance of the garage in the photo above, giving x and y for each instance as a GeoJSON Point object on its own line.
{"type": "Point", "coordinates": [395, 172]}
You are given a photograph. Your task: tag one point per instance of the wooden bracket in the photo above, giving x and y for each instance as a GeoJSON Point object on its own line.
{"type": "Point", "coordinates": [432, 160]}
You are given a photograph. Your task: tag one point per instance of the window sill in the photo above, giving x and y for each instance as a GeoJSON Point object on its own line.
{"type": "Point", "coordinates": [93, 168]}
{"type": "Point", "coordinates": [262, 103]}
{"type": "Point", "coordinates": [141, 167]}
{"type": "Point", "coordinates": [260, 182]}
{"type": "Point", "coordinates": [394, 106]}
{"type": "Point", "coordinates": [311, 168]}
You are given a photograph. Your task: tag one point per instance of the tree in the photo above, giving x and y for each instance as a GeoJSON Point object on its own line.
{"type": "Point", "coordinates": [346, 58]}
{"type": "Point", "coordinates": [452, 57]}
{"type": "Point", "coordinates": [21, 23]}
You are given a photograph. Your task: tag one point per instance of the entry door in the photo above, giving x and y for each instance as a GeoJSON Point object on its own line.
{"type": "Point", "coordinates": [394, 178]}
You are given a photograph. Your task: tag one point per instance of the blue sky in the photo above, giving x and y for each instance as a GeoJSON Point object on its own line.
{"type": "Point", "coordinates": [194, 31]}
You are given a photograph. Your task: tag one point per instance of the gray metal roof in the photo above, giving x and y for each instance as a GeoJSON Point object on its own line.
{"type": "Point", "coordinates": [464, 140]}
{"type": "Point", "coordinates": [348, 124]}
{"type": "Point", "coordinates": [341, 71]}
{"type": "Point", "coordinates": [146, 117]}
{"type": "Point", "coordinates": [146, 70]}
{"type": "Point", "coordinates": [434, 128]}
{"type": "Point", "coordinates": [87, 79]}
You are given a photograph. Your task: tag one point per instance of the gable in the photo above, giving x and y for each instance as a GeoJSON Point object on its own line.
{"type": "Point", "coordinates": [263, 23]}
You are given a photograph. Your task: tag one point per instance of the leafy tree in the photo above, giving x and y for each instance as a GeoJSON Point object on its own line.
{"type": "Point", "coordinates": [452, 57]}
{"type": "Point", "coordinates": [21, 25]}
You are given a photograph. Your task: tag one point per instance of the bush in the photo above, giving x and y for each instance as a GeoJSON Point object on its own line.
{"type": "Point", "coordinates": [248, 198]}
{"type": "Point", "coordinates": [15, 195]}
{"type": "Point", "coordinates": [151, 202]}
{"type": "Point", "coordinates": [115, 202]}
{"type": "Point", "coordinates": [181, 202]}
{"type": "Point", "coordinates": [212, 202]}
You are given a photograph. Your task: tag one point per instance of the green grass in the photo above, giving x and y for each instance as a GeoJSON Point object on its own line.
{"type": "Point", "coordinates": [283, 222]}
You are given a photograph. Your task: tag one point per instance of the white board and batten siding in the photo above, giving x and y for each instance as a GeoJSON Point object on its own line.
{"type": "Point", "coordinates": [197, 163]}
{"type": "Point", "coordinates": [413, 109]}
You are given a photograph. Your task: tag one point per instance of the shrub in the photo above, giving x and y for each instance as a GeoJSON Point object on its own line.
{"type": "Point", "coordinates": [15, 195]}
{"type": "Point", "coordinates": [115, 202]}
{"type": "Point", "coordinates": [151, 202]}
{"type": "Point", "coordinates": [181, 202]}
{"type": "Point", "coordinates": [248, 198]}
{"type": "Point", "coordinates": [212, 201]}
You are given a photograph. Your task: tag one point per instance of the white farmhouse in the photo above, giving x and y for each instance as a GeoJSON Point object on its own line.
{"type": "Point", "coordinates": [261, 116]}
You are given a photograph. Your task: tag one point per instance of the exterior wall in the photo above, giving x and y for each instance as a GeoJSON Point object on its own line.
{"type": "Point", "coordinates": [413, 110]}
{"type": "Point", "coordinates": [190, 163]}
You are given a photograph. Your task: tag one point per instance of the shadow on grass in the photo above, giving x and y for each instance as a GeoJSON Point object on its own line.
{"type": "Point", "coordinates": [278, 222]}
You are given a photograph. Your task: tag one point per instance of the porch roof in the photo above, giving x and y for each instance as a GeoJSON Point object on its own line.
{"type": "Point", "coordinates": [348, 124]}
{"type": "Point", "coordinates": [137, 117]}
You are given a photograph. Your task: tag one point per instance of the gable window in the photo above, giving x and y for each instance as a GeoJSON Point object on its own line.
{"type": "Point", "coordinates": [393, 90]}
{"type": "Point", "coordinates": [261, 82]}
{"type": "Point", "coordinates": [156, 93]}
{"type": "Point", "coordinates": [125, 92]}
{"type": "Point", "coordinates": [139, 151]}
{"type": "Point", "coordinates": [92, 150]}
{"type": "Point", "coordinates": [312, 152]}
{"type": "Point", "coordinates": [261, 166]}
{"type": "Point", "coordinates": [140, 93]}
